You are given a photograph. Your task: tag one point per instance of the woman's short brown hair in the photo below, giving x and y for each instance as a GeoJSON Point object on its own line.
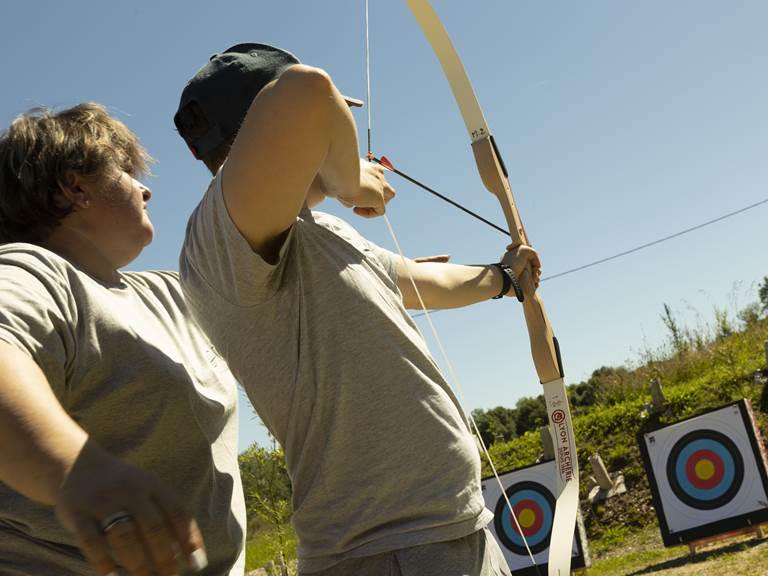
{"type": "Point", "coordinates": [41, 148]}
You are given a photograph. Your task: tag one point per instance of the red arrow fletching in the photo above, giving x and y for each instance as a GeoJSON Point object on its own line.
{"type": "Point", "coordinates": [384, 161]}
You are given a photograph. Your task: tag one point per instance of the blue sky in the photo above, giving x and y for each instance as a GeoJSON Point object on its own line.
{"type": "Point", "coordinates": [619, 123]}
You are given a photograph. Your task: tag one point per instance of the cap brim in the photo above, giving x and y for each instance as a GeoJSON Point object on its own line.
{"type": "Point", "coordinates": [353, 102]}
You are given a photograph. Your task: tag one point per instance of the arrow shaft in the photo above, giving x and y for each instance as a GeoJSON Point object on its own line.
{"type": "Point", "coordinates": [441, 196]}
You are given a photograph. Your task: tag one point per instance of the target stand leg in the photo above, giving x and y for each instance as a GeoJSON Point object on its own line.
{"type": "Point", "coordinates": [758, 531]}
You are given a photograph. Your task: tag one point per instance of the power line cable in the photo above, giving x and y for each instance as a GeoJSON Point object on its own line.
{"type": "Point", "coordinates": [658, 241]}
{"type": "Point", "coordinates": [647, 244]}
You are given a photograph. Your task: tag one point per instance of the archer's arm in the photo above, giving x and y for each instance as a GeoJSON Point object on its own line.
{"type": "Point", "coordinates": [297, 136]}
{"type": "Point", "coordinates": [444, 285]}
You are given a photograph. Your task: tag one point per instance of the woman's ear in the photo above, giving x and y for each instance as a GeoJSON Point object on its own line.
{"type": "Point", "coordinates": [73, 191]}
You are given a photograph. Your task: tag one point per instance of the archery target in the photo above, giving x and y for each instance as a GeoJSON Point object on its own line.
{"type": "Point", "coordinates": [534, 508]}
{"type": "Point", "coordinates": [705, 469]}
{"type": "Point", "coordinates": [531, 494]}
{"type": "Point", "coordinates": [707, 474]}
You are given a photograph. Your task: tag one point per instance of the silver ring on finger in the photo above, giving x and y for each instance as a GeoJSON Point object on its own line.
{"type": "Point", "coordinates": [114, 519]}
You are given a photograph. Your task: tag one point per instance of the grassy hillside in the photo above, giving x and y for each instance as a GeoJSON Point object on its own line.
{"type": "Point", "coordinates": [696, 375]}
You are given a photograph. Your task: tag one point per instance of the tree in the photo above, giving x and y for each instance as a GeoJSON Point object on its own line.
{"type": "Point", "coordinates": [750, 314]}
{"type": "Point", "coordinates": [531, 414]}
{"type": "Point", "coordinates": [496, 424]}
{"type": "Point", "coordinates": [583, 393]}
{"type": "Point", "coordinates": [763, 293]}
{"type": "Point", "coordinates": [610, 384]}
{"type": "Point", "coordinates": [267, 491]}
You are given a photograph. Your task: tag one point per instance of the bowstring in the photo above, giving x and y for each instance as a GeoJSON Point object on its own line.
{"type": "Point", "coordinates": [453, 375]}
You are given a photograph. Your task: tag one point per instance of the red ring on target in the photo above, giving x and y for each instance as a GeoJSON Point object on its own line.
{"type": "Point", "coordinates": [702, 457]}
{"type": "Point", "coordinates": [558, 416]}
{"type": "Point", "coordinates": [528, 506]}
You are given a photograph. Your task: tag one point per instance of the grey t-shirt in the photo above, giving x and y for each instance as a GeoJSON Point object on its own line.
{"type": "Point", "coordinates": [129, 365]}
{"type": "Point", "coordinates": [377, 449]}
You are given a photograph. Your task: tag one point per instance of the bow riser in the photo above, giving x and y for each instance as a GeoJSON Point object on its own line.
{"type": "Point", "coordinates": [491, 168]}
{"type": "Point", "coordinates": [543, 345]}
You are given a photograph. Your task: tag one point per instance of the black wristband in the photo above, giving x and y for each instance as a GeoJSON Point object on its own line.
{"type": "Point", "coordinates": [510, 281]}
{"type": "Point", "coordinates": [507, 283]}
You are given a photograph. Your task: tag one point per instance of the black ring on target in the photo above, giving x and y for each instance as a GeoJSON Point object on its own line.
{"type": "Point", "coordinates": [537, 506]}
{"type": "Point", "coordinates": [705, 469]}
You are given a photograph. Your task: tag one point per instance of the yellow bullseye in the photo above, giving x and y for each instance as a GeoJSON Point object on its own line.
{"type": "Point", "coordinates": [705, 469]}
{"type": "Point", "coordinates": [526, 518]}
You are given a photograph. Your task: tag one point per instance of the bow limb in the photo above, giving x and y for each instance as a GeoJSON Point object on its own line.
{"type": "Point", "coordinates": [544, 347]}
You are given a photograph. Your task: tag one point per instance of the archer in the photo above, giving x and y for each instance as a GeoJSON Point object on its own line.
{"type": "Point", "coordinates": [312, 319]}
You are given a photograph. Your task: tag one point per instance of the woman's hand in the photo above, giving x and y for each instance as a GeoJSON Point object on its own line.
{"type": "Point", "coordinates": [118, 514]}
{"type": "Point", "coordinates": [122, 517]}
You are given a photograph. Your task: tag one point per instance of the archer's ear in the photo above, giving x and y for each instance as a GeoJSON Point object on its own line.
{"type": "Point", "coordinates": [74, 190]}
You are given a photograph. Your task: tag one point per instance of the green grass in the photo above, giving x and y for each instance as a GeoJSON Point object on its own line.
{"type": "Point", "coordinates": [631, 562]}
{"type": "Point", "coordinates": [641, 553]}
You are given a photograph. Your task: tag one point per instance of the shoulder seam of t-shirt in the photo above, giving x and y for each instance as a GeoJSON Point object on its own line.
{"type": "Point", "coordinates": [49, 273]}
{"type": "Point", "coordinates": [43, 265]}
{"type": "Point", "coordinates": [185, 253]}
{"type": "Point", "coordinates": [391, 271]}
{"type": "Point", "coordinates": [26, 248]}
{"type": "Point", "coordinates": [215, 187]}
{"type": "Point", "coordinates": [219, 185]}
{"type": "Point", "coordinates": [213, 289]}
{"type": "Point", "coordinates": [326, 230]}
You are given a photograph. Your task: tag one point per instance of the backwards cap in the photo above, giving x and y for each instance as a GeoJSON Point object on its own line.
{"type": "Point", "coordinates": [225, 87]}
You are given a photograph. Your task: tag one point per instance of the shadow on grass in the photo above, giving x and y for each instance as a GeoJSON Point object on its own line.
{"type": "Point", "coordinates": [700, 556]}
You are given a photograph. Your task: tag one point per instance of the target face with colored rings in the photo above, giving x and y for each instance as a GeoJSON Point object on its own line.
{"type": "Point", "coordinates": [705, 469]}
{"type": "Point", "coordinates": [534, 508]}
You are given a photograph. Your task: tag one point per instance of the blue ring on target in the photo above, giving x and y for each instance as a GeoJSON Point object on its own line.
{"type": "Point", "coordinates": [505, 526]}
{"type": "Point", "coordinates": [729, 469]}
{"type": "Point", "coordinates": [733, 469]}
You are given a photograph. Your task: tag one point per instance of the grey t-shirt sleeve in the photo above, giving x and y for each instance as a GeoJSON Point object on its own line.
{"type": "Point", "coordinates": [388, 260]}
{"type": "Point", "coordinates": [37, 314]}
{"type": "Point", "coordinates": [216, 255]}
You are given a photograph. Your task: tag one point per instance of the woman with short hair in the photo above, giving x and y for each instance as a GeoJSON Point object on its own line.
{"type": "Point", "coordinates": [118, 422]}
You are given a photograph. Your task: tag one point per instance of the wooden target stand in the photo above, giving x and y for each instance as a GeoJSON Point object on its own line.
{"type": "Point", "coordinates": [759, 532]}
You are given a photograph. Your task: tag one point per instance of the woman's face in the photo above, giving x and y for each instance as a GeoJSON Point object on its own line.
{"type": "Point", "coordinates": [118, 217]}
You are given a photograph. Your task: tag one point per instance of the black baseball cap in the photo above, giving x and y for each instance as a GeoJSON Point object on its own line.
{"type": "Point", "coordinates": [225, 87]}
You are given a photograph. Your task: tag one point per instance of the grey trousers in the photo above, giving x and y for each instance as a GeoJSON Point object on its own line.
{"type": "Point", "coordinates": [475, 555]}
